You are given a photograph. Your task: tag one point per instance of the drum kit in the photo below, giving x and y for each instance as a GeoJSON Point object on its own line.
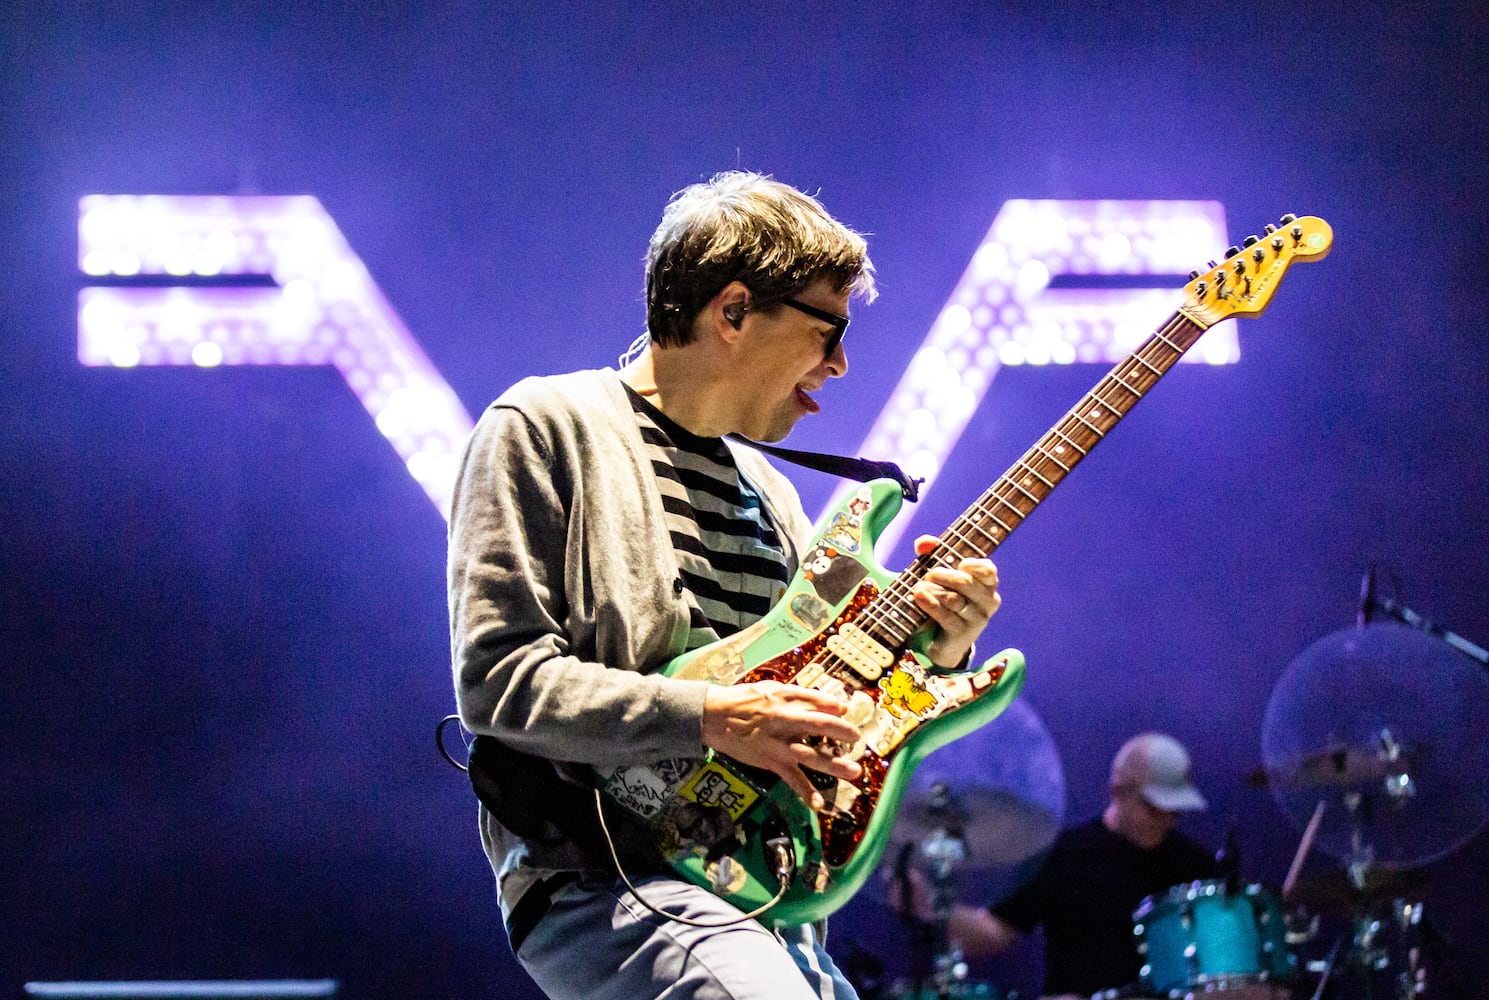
{"type": "Point", "coordinates": [1374, 745]}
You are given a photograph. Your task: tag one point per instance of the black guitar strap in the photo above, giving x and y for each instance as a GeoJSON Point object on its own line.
{"type": "Point", "coordinates": [529, 797]}
{"type": "Point", "coordinates": [860, 469]}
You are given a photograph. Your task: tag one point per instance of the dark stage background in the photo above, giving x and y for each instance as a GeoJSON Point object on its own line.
{"type": "Point", "coordinates": [223, 621]}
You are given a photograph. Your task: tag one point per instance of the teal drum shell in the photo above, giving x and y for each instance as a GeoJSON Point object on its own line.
{"type": "Point", "coordinates": [1199, 937]}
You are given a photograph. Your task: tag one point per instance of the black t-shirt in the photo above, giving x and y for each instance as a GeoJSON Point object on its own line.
{"type": "Point", "coordinates": [1084, 896]}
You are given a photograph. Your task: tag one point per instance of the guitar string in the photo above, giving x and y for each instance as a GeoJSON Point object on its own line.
{"type": "Point", "coordinates": [1157, 348]}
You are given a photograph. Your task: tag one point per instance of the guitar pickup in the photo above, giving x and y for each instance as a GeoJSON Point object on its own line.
{"type": "Point", "coordinates": [864, 655]}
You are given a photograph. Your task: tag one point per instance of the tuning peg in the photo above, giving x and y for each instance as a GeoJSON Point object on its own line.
{"type": "Point", "coordinates": [1258, 255]}
{"type": "Point", "coordinates": [1231, 252]}
{"type": "Point", "coordinates": [1277, 243]}
{"type": "Point", "coordinates": [1209, 264]}
{"type": "Point", "coordinates": [1248, 241]}
{"type": "Point", "coordinates": [1193, 275]}
{"type": "Point", "coordinates": [1289, 217]}
{"type": "Point", "coordinates": [1240, 267]}
{"type": "Point", "coordinates": [1269, 229]}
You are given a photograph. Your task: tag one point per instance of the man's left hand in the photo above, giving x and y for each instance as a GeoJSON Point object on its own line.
{"type": "Point", "coordinates": [959, 599]}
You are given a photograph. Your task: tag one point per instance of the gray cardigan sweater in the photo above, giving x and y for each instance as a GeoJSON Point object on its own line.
{"type": "Point", "coordinates": [563, 590]}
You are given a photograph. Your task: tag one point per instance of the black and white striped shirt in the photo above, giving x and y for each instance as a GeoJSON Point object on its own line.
{"type": "Point", "coordinates": [732, 560]}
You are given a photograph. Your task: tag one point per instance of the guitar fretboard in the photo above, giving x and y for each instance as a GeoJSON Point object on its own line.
{"type": "Point", "coordinates": [893, 617]}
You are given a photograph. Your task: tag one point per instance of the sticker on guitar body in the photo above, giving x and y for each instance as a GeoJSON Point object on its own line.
{"type": "Point", "coordinates": [646, 789]}
{"type": "Point", "coordinates": [723, 662]}
{"type": "Point", "coordinates": [909, 696]}
{"type": "Point", "coordinates": [692, 803]}
{"type": "Point", "coordinates": [832, 573]}
{"type": "Point", "coordinates": [845, 530]}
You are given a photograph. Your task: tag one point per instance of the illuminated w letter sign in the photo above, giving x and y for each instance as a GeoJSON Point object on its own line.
{"type": "Point", "coordinates": [322, 308]}
{"type": "Point", "coordinates": [1054, 282]}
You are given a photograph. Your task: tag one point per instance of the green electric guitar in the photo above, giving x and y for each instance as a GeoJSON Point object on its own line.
{"type": "Point", "coordinates": [848, 626]}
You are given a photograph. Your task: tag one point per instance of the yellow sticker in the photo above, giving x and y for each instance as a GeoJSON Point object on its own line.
{"type": "Point", "coordinates": [902, 693]}
{"type": "Point", "coordinates": [714, 786]}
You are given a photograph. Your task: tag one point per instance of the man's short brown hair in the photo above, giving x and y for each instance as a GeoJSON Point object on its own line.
{"type": "Point", "coordinates": [746, 227]}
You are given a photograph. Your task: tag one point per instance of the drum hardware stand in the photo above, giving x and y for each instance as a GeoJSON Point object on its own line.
{"type": "Point", "coordinates": [1325, 969]}
{"type": "Point", "coordinates": [1411, 980]}
{"type": "Point", "coordinates": [945, 848]}
{"type": "Point", "coordinates": [1399, 811]}
{"type": "Point", "coordinates": [1364, 952]}
{"type": "Point", "coordinates": [1369, 951]}
{"type": "Point", "coordinates": [1410, 618]}
{"type": "Point", "coordinates": [1361, 853]}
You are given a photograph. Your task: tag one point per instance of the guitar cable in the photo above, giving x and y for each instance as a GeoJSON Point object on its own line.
{"type": "Point", "coordinates": [779, 846]}
{"type": "Point", "coordinates": [781, 852]}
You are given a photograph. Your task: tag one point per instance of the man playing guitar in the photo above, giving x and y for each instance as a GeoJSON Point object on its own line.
{"type": "Point", "coordinates": [602, 526]}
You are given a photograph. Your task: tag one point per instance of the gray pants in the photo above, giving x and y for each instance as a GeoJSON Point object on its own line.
{"type": "Point", "coordinates": [599, 944]}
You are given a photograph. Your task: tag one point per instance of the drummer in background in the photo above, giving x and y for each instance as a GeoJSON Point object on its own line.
{"type": "Point", "coordinates": [1097, 873]}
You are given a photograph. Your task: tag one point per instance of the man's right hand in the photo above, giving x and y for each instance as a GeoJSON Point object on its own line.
{"type": "Point", "coordinates": [769, 725]}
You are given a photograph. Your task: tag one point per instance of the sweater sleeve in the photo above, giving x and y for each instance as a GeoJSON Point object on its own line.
{"type": "Point", "coordinates": [517, 676]}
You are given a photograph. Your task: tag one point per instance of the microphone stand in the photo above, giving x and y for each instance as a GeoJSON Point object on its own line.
{"type": "Point", "coordinates": [1370, 604]}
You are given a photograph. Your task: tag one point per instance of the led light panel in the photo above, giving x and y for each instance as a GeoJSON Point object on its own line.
{"type": "Point", "coordinates": [325, 310]}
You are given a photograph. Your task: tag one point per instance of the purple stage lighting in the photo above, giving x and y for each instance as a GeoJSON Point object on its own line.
{"type": "Point", "coordinates": [325, 310]}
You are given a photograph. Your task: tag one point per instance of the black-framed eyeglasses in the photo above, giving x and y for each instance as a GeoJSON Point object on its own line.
{"type": "Point", "coordinates": [839, 323]}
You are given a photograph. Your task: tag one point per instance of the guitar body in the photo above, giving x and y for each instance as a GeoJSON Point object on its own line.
{"type": "Point", "coordinates": [712, 816]}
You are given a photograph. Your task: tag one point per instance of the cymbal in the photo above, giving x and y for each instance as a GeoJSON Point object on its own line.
{"type": "Point", "coordinates": [1336, 767]}
{"type": "Point", "coordinates": [997, 828]}
{"type": "Point", "coordinates": [1011, 786]}
{"type": "Point", "coordinates": [1335, 890]}
{"type": "Point", "coordinates": [1382, 725]}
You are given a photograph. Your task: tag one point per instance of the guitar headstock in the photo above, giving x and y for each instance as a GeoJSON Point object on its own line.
{"type": "Point", "coordinates": [1243, 284]}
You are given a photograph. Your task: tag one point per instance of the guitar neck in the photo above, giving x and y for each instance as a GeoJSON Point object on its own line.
{"type": "Point", "coordinates": [986, 524]}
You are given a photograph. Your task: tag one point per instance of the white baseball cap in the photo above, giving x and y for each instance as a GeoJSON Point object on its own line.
{"type": "Point", "coordinates": [1157, 765]}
